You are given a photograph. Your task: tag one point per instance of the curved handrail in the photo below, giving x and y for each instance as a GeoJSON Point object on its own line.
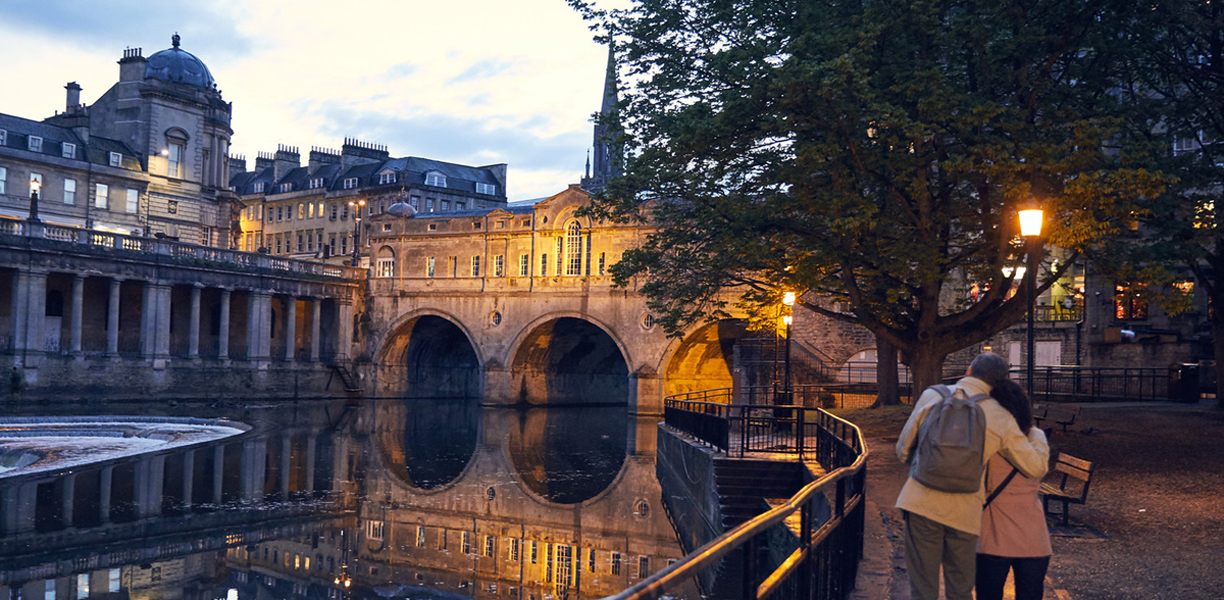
{"type": "Point", "coordinates": [706, 556]}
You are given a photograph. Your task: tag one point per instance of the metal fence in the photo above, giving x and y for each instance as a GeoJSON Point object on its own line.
{"type": "Point", "coordinates": [828, 535]}
{"type": "Point", "coordinates": [1096, 384]}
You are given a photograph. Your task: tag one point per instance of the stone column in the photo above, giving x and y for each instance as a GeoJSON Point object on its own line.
{"type": "Point", "coordinates": [148, 319]}
{"type": "Point", "coordinates": [161, 324]}
{"type": "Point", "coordinates": [286, 465]}
{"type": "Point", "coordinates": [218, 470]}
{"type": "Point", "coordinates": [290, 327]}
{"type": "Point", "coordinates": [259, 326]}
{"type": "Point", "coordinates": [316, 310]}
{"type": "Point", "coordinates": [78, 306]}
{"type": "Point", "coordinates": [193, 329]}
{"type": "Point", "coordinates": [19, 503]}
{"type": "Point", "coordinates": [223, 338]}
{"type": "Point", "coordinates": [112, 319]}
{"type": "Point", "coordinates": [344, 337]}
{"type": "Point", "coordinates": [645, 394]}
{"type": "Point", "coordinates": [188, 478]}
{"type": "Point", "coordinates": [68, 498]}
{"type": "Point", "coordinates": [310, 463]}
{"type": "Point", "coordinates": [17, 310]}
{"type": "Point", "coordinates": [104, 493]}
{"type": "Point", "coordinates": [29, 311]}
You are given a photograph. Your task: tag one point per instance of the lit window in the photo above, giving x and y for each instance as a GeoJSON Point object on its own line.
{"type": "Point", "coordinates": [259, 187]}
{"type": "Point", "coordinates": [374, 530]}
{"type": "Point", "coordinates": [49, 589]}
{"type": "Point", "coordinates": [174, 161]}
{"type": "Point", "coordinates": [311, 211]}
{"type": "Point", "coordinates": [68, 150]}
{"type": "Point", "coordinates": [133, 201]}
{"type": "Point", "coordinates": [301, 210]}
{"type": "Point", "coordinates": [3, 179]}
{"type": "Point", "coordinates": [101, 191]}
{"type": "Point", "coordinates": [385, 267]}
{"type": "Point", "coordinates": [514, 550]}
{"type": "Point", "coordinates": [475, 266]}
{"type": "Point", "coordinates": [466, 542]}
{"type": "Point", "coordinates": [1130, 304]}
{"type": "Point", "coordinates": [69, 191]}
{"type": "Point", "coordinates": [490, 546]}
{"type": "Point", "coordinates": [476, 225]}
{"type": "Point", "coordinates": [499, 266]}
{"type": "Point", "coordinates": [385, 178]}
{"type": "Point", "coordinates": [435, 178]}
{"type": "Point", "coordinates": [350, 183]}
{"type": "Point", "coordinates": [429, 266]}
{"type": "Point", "coordinates": [602, 264]}
{"type": "Point", "coordinates": [486, 188]}
{"type": "Point", "coordinates": [82, 586]}
{"type": "Point", "coordinates": [524, 265]}
{"type": "Point", "coordinates": [112, 581]}
{"type": "Point", "coordinates": [573, 249]}
{"type": "Point", "coordinates": [35, 145]}
{"type": "Point", "coordinates": [420, 536]}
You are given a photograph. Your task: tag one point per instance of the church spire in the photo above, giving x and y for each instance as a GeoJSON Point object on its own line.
{"type": "Point", "coordinates": [607, 129]}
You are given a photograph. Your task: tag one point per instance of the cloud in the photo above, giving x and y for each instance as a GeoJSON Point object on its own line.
{"type": "Point", "coordinates": [482, 69]}
{"type": "Point", "coordinates": [400, 71]}
{"type": "Point", "coordinates": [113, 24]}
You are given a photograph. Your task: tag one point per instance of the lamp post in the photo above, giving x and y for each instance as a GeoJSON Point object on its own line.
{"type": "Point", "coordinates": [35, 186]}
{"type": "Point", "coordinates": [788, 299]}
{"type": "Point", "coordinates": [356, 205]}
{"type": "Point", "coordinates": [1030, 229]}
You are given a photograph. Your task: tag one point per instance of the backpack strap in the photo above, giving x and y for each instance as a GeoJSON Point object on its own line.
{"type": "Point", "coordinates": [999, 489]}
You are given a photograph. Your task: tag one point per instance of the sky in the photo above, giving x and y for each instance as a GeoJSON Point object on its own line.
{"type": "Point", "coordinates": [468, 81]}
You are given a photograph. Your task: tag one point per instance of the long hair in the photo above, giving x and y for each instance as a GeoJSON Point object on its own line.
{"type": "Point", "coordinates": [1011, 396]}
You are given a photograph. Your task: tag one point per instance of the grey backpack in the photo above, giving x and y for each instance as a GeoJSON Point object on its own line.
{"type": "Point", "coordinates": [951, 443]}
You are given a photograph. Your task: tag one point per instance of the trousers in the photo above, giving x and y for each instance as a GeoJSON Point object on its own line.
{"type": "Point", "coordinates": [1029, 576]}
{"type": "Point", "coordinates": [929, 545]}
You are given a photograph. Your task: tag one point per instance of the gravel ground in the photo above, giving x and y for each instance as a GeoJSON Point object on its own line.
{"type": "Point", "coordinates": [1153, 526]}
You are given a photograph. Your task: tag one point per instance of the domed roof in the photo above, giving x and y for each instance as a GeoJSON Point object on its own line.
{"type": "Point", "coordinates": [178, 66]}
{"type": "Point", "coordinates": [402, 209]}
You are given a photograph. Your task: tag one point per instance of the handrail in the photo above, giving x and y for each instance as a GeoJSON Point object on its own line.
{"type": "Point", "coordinates": [707, 555]}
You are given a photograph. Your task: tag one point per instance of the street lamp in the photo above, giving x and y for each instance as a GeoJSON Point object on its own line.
{"type": "Point", "coordinates": [788, 299]}
{"type": "Point", "coordinates": [356, 205]}
{"type": "Point", "coordinates": [1030, 228]}
{"type": "Point", "coordinates": [35, 186]}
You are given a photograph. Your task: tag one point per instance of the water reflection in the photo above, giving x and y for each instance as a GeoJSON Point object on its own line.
{"type": "Point", "coordinates": [394, 498]}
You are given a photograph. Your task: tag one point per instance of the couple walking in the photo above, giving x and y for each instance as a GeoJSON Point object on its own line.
{"type": "Point", "coordinates": [977, 536]}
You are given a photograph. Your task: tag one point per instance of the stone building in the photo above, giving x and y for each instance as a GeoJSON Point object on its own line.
{"type": "Point", "coordinates": [312, 211]}
{"type": "Point", "coordinates": [146, 158]}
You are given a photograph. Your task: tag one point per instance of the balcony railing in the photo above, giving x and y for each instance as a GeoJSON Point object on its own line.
{"type": "Point", "coordinates": [179, 250]}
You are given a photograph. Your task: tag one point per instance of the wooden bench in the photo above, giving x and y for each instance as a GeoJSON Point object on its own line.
{"type": "Point", "coordinates": [1056, 414]}
{"type": "Point", "coordinates": [1067, 483]}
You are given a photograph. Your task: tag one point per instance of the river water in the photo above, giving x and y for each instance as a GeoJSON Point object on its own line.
{"type": "Point", "coordinates": [326, 499]}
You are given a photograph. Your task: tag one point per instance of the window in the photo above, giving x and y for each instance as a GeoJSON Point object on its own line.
{"type": "Point", "coordinates": [316, 183]}
{"type": "Point", "coordinates": [385, 267]}
{"type": "Point", "coordinates": [34, 144]}
{"type": "Point", "coordinates": [514, 550]}
{"type": "Point", "coordinates": [300, 242]}
{"type": "Point", "coordinates": [69, 191]}
{"type": "Point", "coordinates": [565, 564]}
{"type": "Point", "coordinates": [350, 183]}
{"type": "Point", "coordinates": [1130, 304]}
{"type": "Point", "coordinates": [499, 266]}
{"type": "Point", "coordinates": [643, 567]}
{"type": "Point", "coordinates": [591, 561]}
{"type": "Point", "coordinates": [526, 223]}
{"type": "Point", "coordinates": [3, 137]}
{"type": "Point", "coordinates": [543, 265]}
{"type": "Point", "coordinates": [301, 210]}
{"type": "Point", "coordinates": [490, 546]}
{"type": "Point", "coordinates": [344, 244]}
{"type": "Point", "coordinates": [433, 227]}
{"type": "Point", "coordinates": [460, 206]}
{"type": "Point", "coordinates": [475, 266]}
{"type": "Point", "coordinates": [385, 178]}
{"type": "Point", "coordinates": [573, 249]}
{"type": "Point", "coordinates": [548, 563]}
{"type": "Point", "coordinates": [278, 244]}
{"type": "Point", "coordinates": [486, 188]}
{"type": "Point", "coordinates": [386, 227]}
{"type": "Point", "coordinates": [446, 205]}
{"type": "Point", "coordinates": [535, 552]}
{"type": "Point", "coordinates": [616, 563]}
{"type": "Point", "coordinates": [415, 201]}
{"type": "Point", "coordinates": [435, 178]}
{"type": "Point", "coordinates": [524, 265]}
{"type": "Point", "coordinates": [174, 162]}
{"type": "Point", "coordinates": [82, 586]}
{"type": "Point", "coordinates": [284, 187]}
{"type": "Point", "coordinates": [334, 210]}
{"type": "Point", "coordinates": [49, 589]}
{"type": "Point", "coordinates": [114, 159]}
{"type": "Point", "coordinates": [68, 150]}
{"type": "Point", "coordinates": [429, 266]}
{"type": "Point", "coordinates": [476, 225]}
{"type": "Point", "coordinates": [3, 179]}
{"type": "Point", "coordinates": [112, 581]}
{"type": "Point", "coordinates": [441, 539]}
{"type": "Point", "coordinates": [310, 212]}
{"type": "Point", "coordinates": [344, 212]}
{"type": "Point", "coordinates": [560, 253]}
{"type": "Point", "coordinates": [429, 204]}
{"type": "Point", "coordinates": [602, 264]}
{"type": "Point", "coordinates": [101, 191]}
{"type": "Point", "coordinates": [466, 542]}
{"type": "Point", "coordinates": [420, 536]}
{"type": "Point", "coordinates": [259, 187]}
{"type": "Point", "coordinates": [374, 530]}
{"type": "Point", "coordinates": [133, 201]}
{"type": "Point", "coordinates": [280, 213]}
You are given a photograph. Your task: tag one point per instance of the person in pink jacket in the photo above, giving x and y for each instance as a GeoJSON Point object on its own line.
{"type": "Point", "coordinates": [1014, 534]}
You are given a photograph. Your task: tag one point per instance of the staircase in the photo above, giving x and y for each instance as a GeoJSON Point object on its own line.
{"type": "Point", "coordinates": [762, 361]}
{"type": "Point", "coordinates": [347, 378]}
{"type": "Point", "coordinates": [744, 485]}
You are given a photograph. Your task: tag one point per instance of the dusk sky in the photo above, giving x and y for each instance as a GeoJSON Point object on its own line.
{"type": "Point", "coordinates": [468, 81]}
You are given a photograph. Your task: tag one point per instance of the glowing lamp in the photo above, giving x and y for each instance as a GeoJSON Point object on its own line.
{"type": "Point", "coordinates": [1030, 222]}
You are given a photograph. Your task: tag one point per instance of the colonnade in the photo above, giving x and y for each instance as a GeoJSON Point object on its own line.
{"type": "Point", "coordinates": [168, 317]}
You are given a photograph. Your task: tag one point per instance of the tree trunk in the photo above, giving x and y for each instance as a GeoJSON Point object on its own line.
{"type": "Point", "coordinates": [1217, 342]}
{"type": "Point", "coordinates": [926, 369]}
{"type": "Point", "coordinates": [886, 374]}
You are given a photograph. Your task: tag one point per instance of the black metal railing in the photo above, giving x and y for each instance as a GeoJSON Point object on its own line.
{"type": "Point", "coordinates": [1096, 384]}
{"type": "Point", "coordinates": [828, 538]}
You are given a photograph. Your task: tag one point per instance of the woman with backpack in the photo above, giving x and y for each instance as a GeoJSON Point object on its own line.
{"type": "Point", "coordinates": [1014, 533]}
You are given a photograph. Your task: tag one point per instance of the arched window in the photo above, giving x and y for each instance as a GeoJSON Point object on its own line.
{"type": "Point", "coordinates": [573, 249]}
{"type": "Point", "coordinates": [385, 266]}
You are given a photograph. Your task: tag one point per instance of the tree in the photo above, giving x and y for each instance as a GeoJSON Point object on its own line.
{"type": "Point", "coordinates": [1176, 89]}
{"type": "Point", "coordinates": [872, 154]}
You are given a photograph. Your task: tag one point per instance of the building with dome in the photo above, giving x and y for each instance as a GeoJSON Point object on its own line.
{"type": "Point", "coordinates": [149, 157]}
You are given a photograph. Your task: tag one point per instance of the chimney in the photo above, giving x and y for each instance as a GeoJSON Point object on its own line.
{"type": "Point", "coordinates": [132, 65]}
{"type": "Point", "coordinates": [73, 102]}
{"type": "Point", "coordinates": [287, 159]}
{"type": "Point", "coordinates": [263, 160]}
{"type": "Point", "coordinates": [357, 152]}
{"type": "Point", "coordinates": [322, 156]}
{"type": "Point", "coordinates": [237, 164]}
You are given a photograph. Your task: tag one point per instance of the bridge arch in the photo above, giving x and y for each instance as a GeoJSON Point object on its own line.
{"type": "Point", "coordinates": [430, 353]}
{"type": "Point", "coordinates": [568, 358]}
{"type": "Point", "coordinates": [704, 358]}
{"type": "Point", "coordinates": [565, 456]}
